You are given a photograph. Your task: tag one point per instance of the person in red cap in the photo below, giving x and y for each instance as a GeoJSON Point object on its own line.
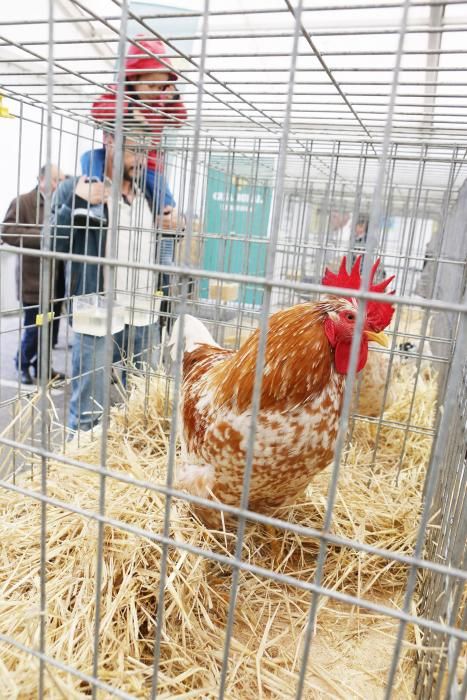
{"type": "Point", "coordinates": [153, 101]}
{"type": "Point", "coordinates": [151, 98]}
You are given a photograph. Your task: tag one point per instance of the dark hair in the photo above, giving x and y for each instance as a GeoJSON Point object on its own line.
{"type": "Point", "coordinates": [42, 170]}
{"type": "Point", "coordinates": [130, 87]}
{"type": "Point", "coordinates": [128, 120]}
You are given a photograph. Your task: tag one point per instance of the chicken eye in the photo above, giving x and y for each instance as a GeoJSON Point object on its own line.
{"type": "Point", "coordinates": [350, 316]}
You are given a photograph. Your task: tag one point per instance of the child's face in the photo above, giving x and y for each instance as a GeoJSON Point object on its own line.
{"type": "Point", "coordinates": [153, 87]}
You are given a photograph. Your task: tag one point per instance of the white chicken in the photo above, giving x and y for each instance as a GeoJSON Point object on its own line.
{"type": "Point", "coordinates": [370, 385]}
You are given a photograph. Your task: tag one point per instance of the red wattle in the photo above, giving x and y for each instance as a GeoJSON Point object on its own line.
{"type": "Point", "coordinates": [342, 356]}
{"type": "Point", "coordinates": [330, 331]}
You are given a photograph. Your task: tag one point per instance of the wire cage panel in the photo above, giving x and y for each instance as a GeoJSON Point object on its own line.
{"type": "Point", "coordinates": [298, 133]}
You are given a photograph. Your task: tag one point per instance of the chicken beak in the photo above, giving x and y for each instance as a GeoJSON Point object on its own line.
{"type": "Point", "coordinates": [380, 338]}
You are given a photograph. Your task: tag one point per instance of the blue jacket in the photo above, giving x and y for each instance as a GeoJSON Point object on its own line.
{"type": "Point", "coordinates": [77, 236]}
{"type": "Point", "coordinates": [93, 164]}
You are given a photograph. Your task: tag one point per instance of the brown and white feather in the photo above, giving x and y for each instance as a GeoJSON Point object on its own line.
{"type": "Point", "coordinates": [301, 395]}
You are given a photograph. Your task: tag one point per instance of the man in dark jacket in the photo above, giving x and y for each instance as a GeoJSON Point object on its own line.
{"type": "Point", "coordinates": [22, 228]}
{"type": "Point", "coordinates": [80, 216]}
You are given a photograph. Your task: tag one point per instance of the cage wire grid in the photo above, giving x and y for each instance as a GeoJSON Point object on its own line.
{"type": "Point", "coordinates": [321, 114]}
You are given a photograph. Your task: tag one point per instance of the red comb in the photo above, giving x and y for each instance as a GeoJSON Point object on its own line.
{"type": "Point", "coordinates": [343, 279]}
{"type": "Point", "coordinates": [378, 313]}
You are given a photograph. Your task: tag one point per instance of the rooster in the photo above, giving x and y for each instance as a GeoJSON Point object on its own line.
{"type": "Point", "coordinates": [306, 362]}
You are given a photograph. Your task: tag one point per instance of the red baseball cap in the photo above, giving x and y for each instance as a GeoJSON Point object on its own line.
{"type": "Point", "coordinates": [139, 59]}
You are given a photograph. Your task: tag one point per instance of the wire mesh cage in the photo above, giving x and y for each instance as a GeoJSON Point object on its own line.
{"type": "Point", "coordinates": [217, 479]}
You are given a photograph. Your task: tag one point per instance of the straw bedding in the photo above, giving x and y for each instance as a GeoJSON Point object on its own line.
{"type": "Point", "coordinates": [351, 652]}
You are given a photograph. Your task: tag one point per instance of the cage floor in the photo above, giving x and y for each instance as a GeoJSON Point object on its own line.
{"type": "Point", "coordinates": [352, 650]}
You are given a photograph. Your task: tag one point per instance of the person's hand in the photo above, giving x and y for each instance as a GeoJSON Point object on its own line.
{"type": "Point", "coordinates": [92, 192]}
{"type": "Point", "coordinates": [168, 219]}
{"type": "Point", "coordinates": [170, 92]}
{"type": "Point", "coordinates": [171, 220]}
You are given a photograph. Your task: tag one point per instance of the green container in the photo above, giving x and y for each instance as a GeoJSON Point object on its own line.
{"type": "Point", "coordinates": [236, 228]}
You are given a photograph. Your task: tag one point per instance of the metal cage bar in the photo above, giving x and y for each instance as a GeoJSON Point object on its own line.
{"type": "Point", "coordinates": [304, 122]}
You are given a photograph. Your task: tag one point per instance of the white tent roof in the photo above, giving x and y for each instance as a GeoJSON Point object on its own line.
{"type": "Point", "coordinates": [346, 55]}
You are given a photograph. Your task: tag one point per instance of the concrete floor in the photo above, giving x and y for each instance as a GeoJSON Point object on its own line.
{"type": "Point", "coordinates": [20, 412]}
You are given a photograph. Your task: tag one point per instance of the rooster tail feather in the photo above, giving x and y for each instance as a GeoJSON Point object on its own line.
{"type": "Point", "coordinates": [195, 333]}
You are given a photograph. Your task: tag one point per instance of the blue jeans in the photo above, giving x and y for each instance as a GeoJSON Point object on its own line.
{"type": "Point", "coordinates": [138, 344]}
{"type": "Point", "coordinates": [29, 341]}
